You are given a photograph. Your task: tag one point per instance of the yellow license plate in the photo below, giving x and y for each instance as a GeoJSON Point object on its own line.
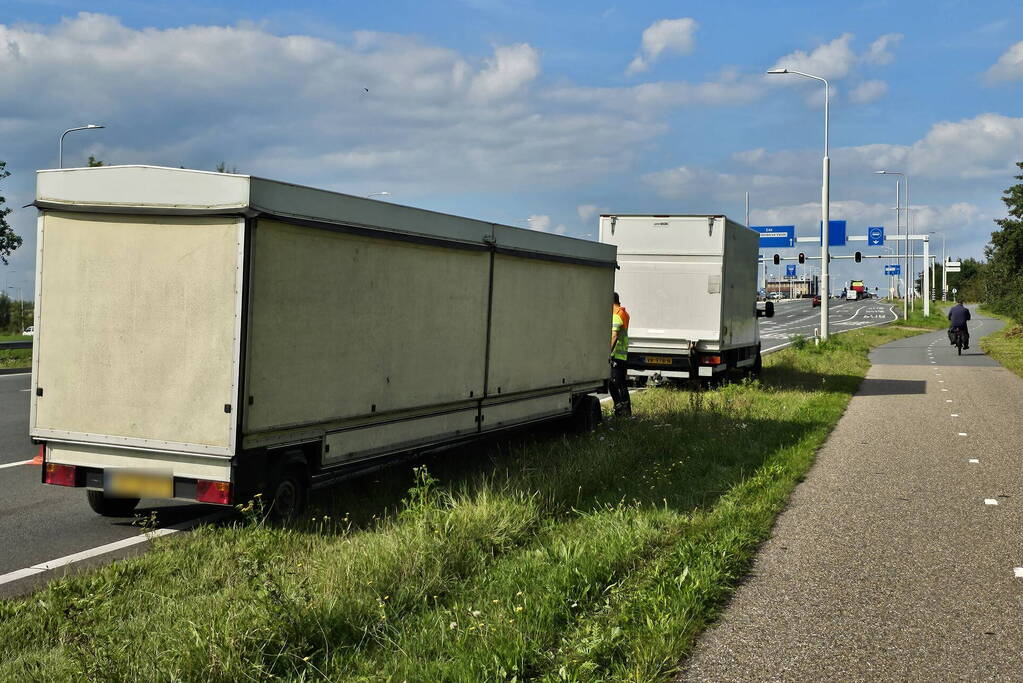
{"type": "Point", "coordinates": [657, 360]}
{"type": "Point", "coordinates": [135, 484]}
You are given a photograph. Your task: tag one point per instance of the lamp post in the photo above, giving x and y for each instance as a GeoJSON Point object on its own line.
{"type": "Point", "coordinates": [60, 146]}
{"type": "Point", "coordinates": [825, 202]}
{"type": "Point", "coordinates": [905, 301]}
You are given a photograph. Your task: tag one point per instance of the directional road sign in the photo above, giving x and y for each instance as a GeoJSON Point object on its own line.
{"type": "Point", "coordinates": [776, 236]}
{"type": "Point", "coordinates": [790, 270]}
{"type": "Point", "coordinates": [893, 270]}
{"type": "Point", "coordinates": [875, 236]}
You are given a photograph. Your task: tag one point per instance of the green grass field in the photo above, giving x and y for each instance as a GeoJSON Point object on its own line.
{"type": "Point", "coordinates": [1005, 345]}
{"type": "Point", "coordinates": [556, 557]}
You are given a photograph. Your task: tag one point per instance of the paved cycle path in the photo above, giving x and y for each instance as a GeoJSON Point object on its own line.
{"type": "Point", "coordinates": [900, 557]}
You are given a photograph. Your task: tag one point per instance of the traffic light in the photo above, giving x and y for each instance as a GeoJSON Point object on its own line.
{"type": "Point", "coordinates": [802, 257]}
{"type": "Point", "coordinates": [777, 259]}
{"type": "Point", "coordinates": [858, 257]}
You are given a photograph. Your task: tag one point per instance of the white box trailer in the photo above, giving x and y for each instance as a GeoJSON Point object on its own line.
{"type": "Point", "coordinates": [689, 284]}
{"type": "Point", "coordinates": [209, 336]}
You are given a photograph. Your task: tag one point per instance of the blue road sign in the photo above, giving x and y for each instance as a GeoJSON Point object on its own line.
{"type": "Point", "coordinates": [875, 236]}
{"type": "Point", "coordinates": [836, 233]}
{"type": "Point", "coordinates": [893, 270]}
{"type": "Point", "coordinates": [776, 236]}
{"type": "Point", "coordinates": [790, 270]}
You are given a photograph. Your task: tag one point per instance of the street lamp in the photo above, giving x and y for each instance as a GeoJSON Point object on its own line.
{"type": "Point", "coordinates": [60, 146]}
{"type": "Point", "coordinates": [905, 178]}
{"type": "Point", "coordinates": [825, 202]}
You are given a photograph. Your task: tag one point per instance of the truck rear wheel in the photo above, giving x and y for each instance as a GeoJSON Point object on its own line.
{"type": "Point", "coordinates": [758, 366]}
{"type": "Point", "coordinates": [289, 495]}
{"type": "Point", "coordinates": [110, 507]}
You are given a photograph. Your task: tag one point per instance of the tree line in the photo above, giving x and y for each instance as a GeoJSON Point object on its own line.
{"type": "Point", "coordinates": [998, 279]}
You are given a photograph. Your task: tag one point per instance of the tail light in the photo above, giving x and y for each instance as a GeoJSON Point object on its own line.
{"type": "Point", "coordinates": [218, 492]}
{"type": "Point", "coordinates": [710, 360]}
{"type": "Point", "coordinates": [61, 475]}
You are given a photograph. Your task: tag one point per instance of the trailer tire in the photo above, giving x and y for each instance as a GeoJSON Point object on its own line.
{"type": "Point", "coordinates": [758, 366]}
{"type": "Point", "coordinates": [104, 505]}
{"type": "Point", "coordinates": [289, 495]}
{"type": "Point", "coordinates": [587, 414]}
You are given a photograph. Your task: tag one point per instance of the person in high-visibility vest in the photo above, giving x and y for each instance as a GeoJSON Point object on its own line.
{"type": "Point", "coordinates": [619, 357]}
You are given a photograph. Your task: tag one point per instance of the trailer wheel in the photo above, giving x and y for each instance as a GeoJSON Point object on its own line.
{"type": "Point", "coordinates": [587, 414]}
{"type": "Point", "coordinates": [289, 495]}
{"type": "Point", "coordinates": [104, 505]}
{"type": "Point", "coordinates": [758, 366]}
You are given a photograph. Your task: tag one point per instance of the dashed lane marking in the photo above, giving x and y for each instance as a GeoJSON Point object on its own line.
{"type": "Point", "coordinates": [953, 414]}
{"type": "Point", "coordinates": [1018, 572]}
{"type": "Point", "coordinates": [990, 501]}
{"type": "Point", "coordinates": [963, 434]}
{"type": "Point", "coordinates": [973, 461]}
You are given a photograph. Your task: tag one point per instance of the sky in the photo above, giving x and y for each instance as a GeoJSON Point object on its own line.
{"type": "Point", "coordinates": [536, 114]}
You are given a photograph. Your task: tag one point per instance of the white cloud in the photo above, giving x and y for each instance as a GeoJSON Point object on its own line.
{"type": "Point", "coordinates": [701, 184]}
{"type": "Point", "coordinates": [511, 69]}
{"type": "Point", "coordinates": [868, 91]}
{"type": "Point", "coordinates": [831, 60]}
{"type": "Point", "coordinates": [586, 211]}
{"type": "Point", "coordinates": [879, 52]}
{"type": "Point", "coordinates": [540, 222]}
{"type": "Point", "coordinates": [984, 146]}
{"type": "Point", "coordinates": [666, 36]}
{"type": "Point", "coordinates": [1009, 66]}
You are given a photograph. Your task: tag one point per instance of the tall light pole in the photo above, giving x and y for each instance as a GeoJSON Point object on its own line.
{"type": "Point", "coordinates": [905, 301]}
{"type": "Point", "coordinates": [60, 146]}
{"type": "Point", "coordinates": [825, 202]}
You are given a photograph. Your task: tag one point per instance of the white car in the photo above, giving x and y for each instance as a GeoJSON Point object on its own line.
{"type": "Point", "coordinates": [30, 330]}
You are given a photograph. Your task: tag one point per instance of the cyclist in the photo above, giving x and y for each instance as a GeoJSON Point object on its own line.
{"type": "Point", "coordinates": [958, 315]}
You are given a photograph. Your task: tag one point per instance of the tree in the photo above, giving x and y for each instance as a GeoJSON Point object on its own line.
{"type": "Point", "coordinates": [9, 240]}
{"type": "Point", "coordinates": [5, 311]}
{"type": "Point", "coordinates": [222, 168]}
{"type": "Point", "coordinates": [1004, 279]}
{"type": "Point", "coordinates": [94, 162]}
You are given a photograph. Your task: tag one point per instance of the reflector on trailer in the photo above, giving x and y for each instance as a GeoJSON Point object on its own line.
{"type": "Point", "coordinates": [61, 475]}
{"type": "Point", "coordinates": [710, 360]}
{"type": "Point", "coordinates": [218, 492]}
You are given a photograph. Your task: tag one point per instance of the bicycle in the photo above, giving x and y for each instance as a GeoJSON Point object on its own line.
{"type": "Point", "coordinates": [959, 341]}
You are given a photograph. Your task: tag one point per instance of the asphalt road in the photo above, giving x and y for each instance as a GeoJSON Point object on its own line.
{"type": "Point", "coordinates": [798, 317]}
{"type": "Point", "coordinates": [900, 555]}
{"type": "Point", "coordinates": [39, 523]}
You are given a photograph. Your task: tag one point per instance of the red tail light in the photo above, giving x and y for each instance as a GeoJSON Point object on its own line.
{"type": "Point", "coordinates": [710, 360]}
{"type": "Point", "coordinates": [61, 475]}
{"type": "Point", "coordinates": [218, 492]}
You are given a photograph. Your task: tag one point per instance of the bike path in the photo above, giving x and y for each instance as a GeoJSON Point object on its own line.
{"type": "Point", "coordinates": [900, 557]}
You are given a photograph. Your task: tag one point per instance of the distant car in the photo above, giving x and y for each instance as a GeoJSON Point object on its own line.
{"type": "Point", "coordinates": [816, 301]}
{"type": "Point", "coordinates": [776, 295]}
{"type": "Point", "coordinates": [30, 330]}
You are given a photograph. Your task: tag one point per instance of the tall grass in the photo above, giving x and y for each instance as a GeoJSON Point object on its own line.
{"type": "Point", "coordinates": [585, 558]}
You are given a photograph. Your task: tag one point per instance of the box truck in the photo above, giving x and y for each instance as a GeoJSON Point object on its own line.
{"type": "Point", "coordinates": [690, 286]}
{"type": "Point", "coordinates": [211, 336]}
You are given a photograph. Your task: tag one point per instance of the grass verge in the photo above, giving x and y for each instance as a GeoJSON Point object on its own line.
{"type": "Point", "coordinates": [15, 358]}
{"type": "Point", "coordinates": [583, 558]}
{"type": "Point", "coordinates": [1005, 345]}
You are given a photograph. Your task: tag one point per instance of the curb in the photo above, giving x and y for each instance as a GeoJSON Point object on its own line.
{"type": "Point", "coordinates": [15, 371]}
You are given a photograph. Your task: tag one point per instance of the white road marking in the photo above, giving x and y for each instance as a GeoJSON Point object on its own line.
{"type": "Point", "coordinates": [963, 434]}
{"type": "Point", "coordinates": [106, 548]}
{"type": "Point", "coordinates": [953, 414]}
{"type": "Point", "coordinates": [948, 400]}
{"type": "Point", "coordinates": [990, 501]}
{"type": "Point", "coordinates": [940, 381]}
{"type": "Point", "coordinates": [14, 464]}
{"type": "Point", "coordinates": [944, 389]}
{"type": "Point", "coordinates": [1018, 571]}
{"type": "Point", "coordinates": [974, 461]}
{"type": "Point", "coordinates": [24, 390]}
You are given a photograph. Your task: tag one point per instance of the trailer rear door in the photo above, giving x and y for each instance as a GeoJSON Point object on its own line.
{"type": "Point", "coordinates": [137, 330]}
